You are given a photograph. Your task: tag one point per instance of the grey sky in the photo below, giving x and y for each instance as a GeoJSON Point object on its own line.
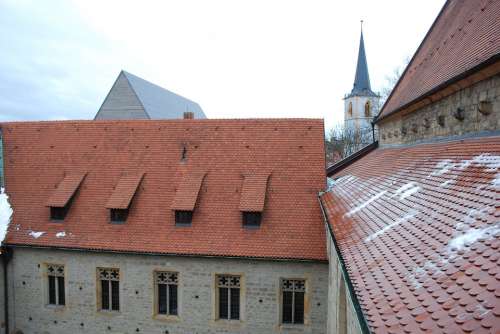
{"type": "Point", "coordinates": [237, 59]}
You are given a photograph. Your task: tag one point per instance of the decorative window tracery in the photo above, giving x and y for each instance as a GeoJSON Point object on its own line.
{"type": "Point", "coordinates": [229, 296]}
{"type": "Point", "coordinates": [293, 292]}
{"type": "Point", "coordinates": [110, 289]}
{"type": "Point", "coordinates": [55, 275]}
{"type": "Point", "coordinates": [166, 287]}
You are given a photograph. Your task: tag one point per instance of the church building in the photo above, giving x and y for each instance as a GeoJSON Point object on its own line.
{"type": "Point", "coordinates": [361, 105]}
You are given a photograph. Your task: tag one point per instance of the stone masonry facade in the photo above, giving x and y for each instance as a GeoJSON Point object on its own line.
{"type": "Point", "coordinates": [470, 110]}
{"type": "Point", "coordinates": [260, 301]}
{"type": "Point", "coordinates": [341, 314]}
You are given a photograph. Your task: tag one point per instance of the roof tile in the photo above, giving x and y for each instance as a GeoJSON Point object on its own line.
{"type": "Point", "coordinates": [422, 232]}
{"type": "Point", "coordinates": [124, 191]}
{"type": "Point", "coordinates": [253, 194]}
{"type": "Point", "coordinates": [65, 190]}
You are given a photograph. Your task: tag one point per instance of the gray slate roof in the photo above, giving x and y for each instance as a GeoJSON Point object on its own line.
{"type": "Point", "coordinates": [160, 103]}
{"type": "Point", "coordinates": [361, 85]}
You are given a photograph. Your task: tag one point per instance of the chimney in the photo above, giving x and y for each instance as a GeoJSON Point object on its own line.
{"type": "Point", "coordinates": [188, 115]}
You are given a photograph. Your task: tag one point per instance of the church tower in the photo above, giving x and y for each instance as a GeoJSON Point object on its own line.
{"type": "Point", "coordinates": [361, 105]}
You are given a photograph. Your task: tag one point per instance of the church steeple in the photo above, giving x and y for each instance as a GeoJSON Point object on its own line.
{"type": "Point", "coordinates": [361, 85]}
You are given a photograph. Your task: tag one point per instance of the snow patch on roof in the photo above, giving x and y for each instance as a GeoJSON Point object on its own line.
{"type": "Point", "coordinates": [366, 203]}
{"type": "Point", "coordinates": [472, 235]}
{"type": "Point", "coordinates": [60, 234]}
{"type": "Point", "coordinates": [447, 183]}
{"type": "Point", "coordinates": [409, 215]}
{"type": "Point", "coordinates": [35, 234]}
{"type": "Point", "coordinates": [486, 160]}
{"type": "Point", "coordinates": [5, 213]}
{"type": "Point", "coordinates": [407, 190]}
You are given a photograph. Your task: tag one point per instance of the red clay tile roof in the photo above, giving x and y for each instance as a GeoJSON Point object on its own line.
{"type": "Point", "coordinates": [124, 191]}
{"type": "Point", "coordinates": [253, 193]}
{"type": "Point", "coordinates": [465, 34]}
{"type": "Point", "coordinates": [419, 230]}
{"type": "Point", "coordinates": [37, 154]}
{"type": "Point", "coordinates": [187, 194]}
{"type": "Point", "coordinates": [65, 190]}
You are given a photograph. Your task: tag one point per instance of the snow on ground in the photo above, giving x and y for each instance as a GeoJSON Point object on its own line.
{"type": "Point", "coordinates": [36, 235]}
{"type": "Point", "coordinates": [366, 203]}
{"type": "Point", "coordinates": [5, 213]}
{"type": "Point", "coordinates": [409, 215]}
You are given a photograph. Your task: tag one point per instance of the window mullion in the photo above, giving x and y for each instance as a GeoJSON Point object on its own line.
{"type": "Point", "coordinates": [229, 303]}
{"type": "Point", "coordinates": [293, 305]}
{"type": "Point", "coordinates": [110, 295]}
{"type": "Point", "coordinates": [168, 298]}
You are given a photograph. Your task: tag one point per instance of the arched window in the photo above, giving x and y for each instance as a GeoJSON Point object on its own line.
{"type": "Point", "coordinates": [350, 109]}
{"type": "Point", "coordinates": [368, 112]}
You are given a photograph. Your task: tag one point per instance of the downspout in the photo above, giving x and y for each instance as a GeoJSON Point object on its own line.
{"type": "Point", "coordinates": [6, 257]}
{"type": "Point", "coordinates": [373, 132]}
{"type": "Point", "coordinates": [350, 287]}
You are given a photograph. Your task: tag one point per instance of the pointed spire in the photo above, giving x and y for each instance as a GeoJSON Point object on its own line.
{"type": "Point", "coordinates": [362, 80]}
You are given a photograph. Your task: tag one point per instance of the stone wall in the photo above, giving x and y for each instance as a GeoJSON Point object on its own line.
{"type": "Point", "coordinates": [342, 318]}
{"type": "Point", "coordinates": [260, 304]}
{"type": "Point", "coordinates": [470, 110]}
{"type": "Point", "coordinates": [2, 298]}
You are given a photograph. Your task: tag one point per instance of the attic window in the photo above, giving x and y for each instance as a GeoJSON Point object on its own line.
{"type": "Point", "coordinates": [61, 199]}
{"type": "Point", "coordinates": [186, 197]}
{"type": "Point", "coordinates": [253, 197]}
{"type": "Point", "coordinates": [119, 202]}
{"type": "Point", "coordinates": [183, 217]}
{"type": "Point", "coordinates": [58, 213]}
{"type": "Point", "coordinates": [251, 219]}
{"type": "Point", "coordinates": [118, 215]}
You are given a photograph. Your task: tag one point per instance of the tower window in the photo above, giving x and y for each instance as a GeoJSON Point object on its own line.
{"type": "Point", "coordinates": [368, 112]}
{"type": "Point", "coordinates": [350, 109]}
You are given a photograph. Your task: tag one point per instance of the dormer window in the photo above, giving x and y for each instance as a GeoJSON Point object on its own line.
{"type": "Point", "coordinates": [183, 217]}
{"type": "Point", "coordinates": [58, 213]}
{"type": "Point", "coordinates": [60, 201]}
{"type": "Point", "coordinates": [121, 198]}
{"type": "Point", "coordinates": [251, 219]}
{"type": "Point", "coordinates": [186, 197]}
{"type": "Point", "coordinates": [118, 216]}
{"type": "Point", "coordinates": [253, 197]}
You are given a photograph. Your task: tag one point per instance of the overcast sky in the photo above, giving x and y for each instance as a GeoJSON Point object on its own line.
{"type": "Point", "coordinates": [237, 59]}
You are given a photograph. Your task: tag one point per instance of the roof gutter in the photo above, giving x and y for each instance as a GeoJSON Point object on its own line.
{"type": "Point", "coordinates": [337, 167]}
{"type": "Point", "coordinates": [365, 329]}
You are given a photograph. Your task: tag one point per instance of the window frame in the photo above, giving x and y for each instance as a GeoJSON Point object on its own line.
{"type": "Point", "coordinates": [156, 301]}
{"type": "Point", "coordinates": [368, 109]}
{"type": "Point", "coordinates": [121, 213]}
{"type": "Point", "coordinates": [251, 219]}
{"type": "Point", "coordinates": [99, 296]}
{"type": "Point", "coordinates": [216, 294]}
{"type": "Point", "coordinates": [57, 291]}
{"type": "Point", "coordinates": [183, 217]}
{"type": "Point", "coordinates": [305, 318]}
